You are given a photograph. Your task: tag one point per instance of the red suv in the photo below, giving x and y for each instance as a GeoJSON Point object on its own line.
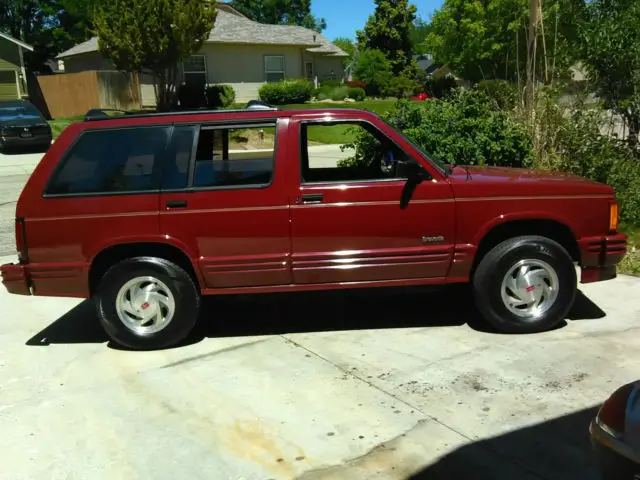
{"type": "Point", "coordinates": [146, 213]}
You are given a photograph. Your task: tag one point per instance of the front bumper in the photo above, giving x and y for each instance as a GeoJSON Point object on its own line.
{"type": "Point", "coordinates": [616, 459]}
{"type": "Point", "coordinates": [600, 255]}
{"type": "Point", "coordinates": [16, 279]}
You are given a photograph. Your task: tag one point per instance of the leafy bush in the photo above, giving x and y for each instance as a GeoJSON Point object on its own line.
{"type": "Point", "coordinates": [374, 69]}
{"type": "Point", "coordinates": [331, 83]}
{"type": "Point", "coordinates": [220, 96]}
{"type": "Point", "coordinates": [439, 87]}
{"type": "Point", "coordinates": [286, 92]}
{"type": "Point", "coordinates": [571, 140]}
{"type": "Point", "coordinates": [191, 97]}
{"type": "Point", "coordinates": [357, 94]}
{"type": "Point", "coordinates": [356, 84]}
{"type": "Point", "coordinates": [339, 93]}
{"type": "Point", "coordinates": [402, 86]}
{"type": "Point", "coordinates": [465, 129]}
{"type": "Point", "coordinates": [504, 93]}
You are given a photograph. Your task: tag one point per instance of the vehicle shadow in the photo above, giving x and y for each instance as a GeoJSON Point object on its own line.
{"type": "Point", "coordinates": [11, 151]}
{"type": "Point", "coordinates": [557, 449]}
{"type": "Point", "coordinates": [281, 313]}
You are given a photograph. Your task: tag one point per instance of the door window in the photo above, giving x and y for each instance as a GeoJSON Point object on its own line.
{"type": "Point", "coordinates": [241, 156]}
{"type": "Point", "coordinates": [348, 152]}
{"type": "Point", "coordinates": [112, 161]}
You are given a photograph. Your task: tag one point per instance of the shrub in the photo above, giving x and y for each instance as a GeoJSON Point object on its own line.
{"type": "Point", "coordinates": [331, 83]}
{"type": "Point", "coordinates": [374, 69]}
{"type": "Point", "coordinates": [191, 97]}
{"type": "Point", "coordinates": [357, 94]}
{"type": "Point", "coordinates": [339, 93]}
{"type": "Point", "coordinates": [356, 84]}
{"type": "Point", "coordinates": [571, 140]}
{"type": "Point", "coordinates": [402, 87]}
{"type": "Point", "coordinates": [504, 93]}
{"type": "Point", "coordinates": [465, 129]}
{"type": "Point", "coordinates": [286, 92]}
{"type": "Point", "coordinates": [220, 96]}
{"type": "Point", "coordinates": [439, 87]}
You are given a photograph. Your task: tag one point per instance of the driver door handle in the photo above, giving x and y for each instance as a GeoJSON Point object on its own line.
{"type": "Point", "coordinates": [313, 198]}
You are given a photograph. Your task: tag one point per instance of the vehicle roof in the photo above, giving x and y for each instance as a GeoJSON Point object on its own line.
{"type": "Point", "coordinates": [221, 115]}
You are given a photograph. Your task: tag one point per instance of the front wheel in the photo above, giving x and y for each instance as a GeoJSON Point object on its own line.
{"type": "Point", "coordinates": [147, 303]}
{"type": "Point", "coordinates": [525, 284]}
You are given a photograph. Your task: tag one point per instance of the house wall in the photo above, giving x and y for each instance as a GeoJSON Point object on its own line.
{"type": "Point", "coordinates": [9, 65]}
{"type": "Point", "coordinates": [87, 61]}
{"type": "Point", "coordinates": [242, 66]}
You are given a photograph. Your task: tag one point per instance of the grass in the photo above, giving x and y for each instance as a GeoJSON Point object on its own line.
{"type": "Point", "coordinates": [59, 124]}
{"type": "Point", "coordinates": [631, 263]}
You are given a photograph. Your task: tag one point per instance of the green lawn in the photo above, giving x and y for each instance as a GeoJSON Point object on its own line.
{"type": "Point", "coordinates": [59, 124]}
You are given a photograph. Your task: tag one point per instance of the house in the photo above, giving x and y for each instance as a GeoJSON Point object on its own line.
{"type": "Point", "coordinates": [12, 72]}
{"type": "Point", "coordinates": [239, 52]}
{"type": "Point", "coordinates": [424, 61]}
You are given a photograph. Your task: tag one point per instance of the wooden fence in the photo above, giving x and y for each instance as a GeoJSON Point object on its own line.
{"type": "Point", "coordinates": [73, 94]}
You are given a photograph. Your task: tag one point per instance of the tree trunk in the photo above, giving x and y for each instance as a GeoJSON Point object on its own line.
{"type": "Point", "coordinates": [534, 11]}
{"type": "Point", "coordinates": [634, 130]}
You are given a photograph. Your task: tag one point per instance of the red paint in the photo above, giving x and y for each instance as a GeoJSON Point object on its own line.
{"type": "Point", "coordinates": [266, 239]}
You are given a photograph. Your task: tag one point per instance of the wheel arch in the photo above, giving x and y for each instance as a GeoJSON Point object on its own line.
{"type": "Point", "coordinates": [112, 254]}
{"type": "Point", "coordinates": [550, 228]}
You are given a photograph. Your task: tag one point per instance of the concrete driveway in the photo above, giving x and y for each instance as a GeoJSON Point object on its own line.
{"type": "Point", "coordinates": [381, 384]}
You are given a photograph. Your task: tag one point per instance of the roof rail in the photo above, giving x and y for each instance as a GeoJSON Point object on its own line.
{"type": "Point", "coordinates": [101, 113]}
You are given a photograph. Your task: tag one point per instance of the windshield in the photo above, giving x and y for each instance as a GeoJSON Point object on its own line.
{"type": "Point", "coordinates": [12, 111]}
{"type": "Point", "coordinates": [438, 163]}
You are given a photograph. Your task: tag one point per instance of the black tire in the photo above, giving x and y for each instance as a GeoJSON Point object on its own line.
{"type": "Point", "coordinates": [493, 268]}
{"type": "Point", "coordinates": [183, 289]}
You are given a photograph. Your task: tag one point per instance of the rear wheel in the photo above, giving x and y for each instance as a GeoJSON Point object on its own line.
{"type": "Point", "coordinates": [525, 284]}
{"type": "Point", "coordinates": [147, 303]}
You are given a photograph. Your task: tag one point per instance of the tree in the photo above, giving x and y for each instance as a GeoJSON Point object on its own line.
{"type": "Point", "coordinates": [153, 37]}
{"type": "Point", "coordinates": [389, 31]}
{"type": "Point", "coordinates": [374, 69]}
{"type": "Point", "coordinates": [349, 48]}
{"type": "Point", "coordinates": [50, 26]}
{"type": "Point", "coordinates": [489, 39]}
{"type": "Point", "coordinates": [281, 12]}
{"type": "Point", "coordinates": [610, 52]}
{"type": "Point", "coordinates": [418, 34]}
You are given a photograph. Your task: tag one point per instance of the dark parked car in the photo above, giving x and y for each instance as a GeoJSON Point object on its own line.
{"type": "Point", "coordinates": [22, 126]}
{"type": "Point", "coordinates": [615, 434]}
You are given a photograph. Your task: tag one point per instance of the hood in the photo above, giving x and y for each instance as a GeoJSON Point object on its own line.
{"type": "Point", "coordinates": [523, 181]}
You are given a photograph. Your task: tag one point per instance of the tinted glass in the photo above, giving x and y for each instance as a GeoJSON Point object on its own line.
{"type": "Point", "coordinates": [112, 161]}
{"type": "Point", "coordinates": [346, 152]}
{"type": "Point", "coordinates": [18, 110]}
{"type": "Point", "coordinates": [176, 171]}
{"type": "Point", "coordinates": [234, 157]}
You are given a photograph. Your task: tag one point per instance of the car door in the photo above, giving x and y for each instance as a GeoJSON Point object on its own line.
{"type": "Point", "coordinates": [346, 220]}
{"type": "Point", "coordinates": [225, 202]}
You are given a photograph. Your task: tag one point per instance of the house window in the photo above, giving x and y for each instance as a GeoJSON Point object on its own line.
{"type": "Point", "coordinates": [274, 68]}
{"type": "Point", "coordinates": [195, 70]}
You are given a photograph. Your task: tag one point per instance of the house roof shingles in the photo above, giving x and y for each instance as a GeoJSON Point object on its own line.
{"type": "Point", "coordinates": [237, 29]}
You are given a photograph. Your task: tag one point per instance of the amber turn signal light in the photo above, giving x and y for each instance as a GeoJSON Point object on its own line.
{"type": "Point", "coordinates": [613, 217]}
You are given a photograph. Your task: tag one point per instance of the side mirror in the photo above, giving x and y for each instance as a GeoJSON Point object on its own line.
{"type": "Point", "coordinates": [415, 175]}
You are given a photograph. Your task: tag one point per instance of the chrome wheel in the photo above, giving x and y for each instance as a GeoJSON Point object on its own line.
{"type": "Point", "coordinates": [145, 305]}
{"type": "Point", "coordinates": [530, 288]}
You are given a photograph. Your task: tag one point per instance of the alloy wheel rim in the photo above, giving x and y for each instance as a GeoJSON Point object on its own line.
{"type": "Point", "coordinates": [530, 288]}
{"type": "Point", "coordinates": [145, 305]}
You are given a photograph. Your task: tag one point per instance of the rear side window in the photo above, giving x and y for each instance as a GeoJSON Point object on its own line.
{"type": "Point", "coordinates": [234, 157]}
{"type": "Point", "coordinates": [112, 161]}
